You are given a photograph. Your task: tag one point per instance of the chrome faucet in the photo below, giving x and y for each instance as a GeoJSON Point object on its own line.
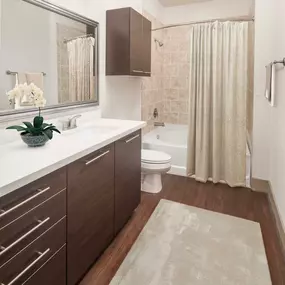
{"type": "Point", "coordinates": [70, 123]}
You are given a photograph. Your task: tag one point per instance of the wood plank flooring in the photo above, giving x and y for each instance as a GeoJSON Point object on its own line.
{"type": "Point", "coordinates": [239, 202]}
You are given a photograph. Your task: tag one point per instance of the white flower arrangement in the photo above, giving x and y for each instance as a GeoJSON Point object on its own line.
{"type": "Point", "coordinates": [31, 93]}
{"type": "Point", "coordinates": [39, 129]}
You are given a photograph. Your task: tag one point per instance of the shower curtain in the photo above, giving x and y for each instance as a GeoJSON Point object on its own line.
{"type": "Point", "coordinates": [218, 95]}
{"type": "Point", "coordinates": [81, 78]}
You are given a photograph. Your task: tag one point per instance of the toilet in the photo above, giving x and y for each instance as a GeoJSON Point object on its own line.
{"type": "Point", "coordinates": [154, 163]}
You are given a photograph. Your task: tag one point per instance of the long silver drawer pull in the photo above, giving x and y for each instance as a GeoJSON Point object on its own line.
{"type": "Point", "coordinates": [40, 192]}
{"type": "Point", "coordinates": [137, 71]}
{"type": "Point", "coordinates": [41, 255]}
{"type": "Point", "coordinates": [96, 158]}
{"type": "Point", "coordinates": [147, 72]}
{"type": "Point", "coordinates": [131, 139]}
{"type": "Point", "coordinates": [40, 223]}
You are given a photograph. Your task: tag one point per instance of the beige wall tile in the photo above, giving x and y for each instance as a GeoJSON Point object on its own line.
{"type": "Point", "coordinates": [179, 82]}
{"type": "Point", "coordinates": [183, 119]}
{"type": "Point", "coordinates": [184, 94]}
{"type": "Point", "coordinates": [167, 89]}
{"type": "Point", "coordinates": [171, 94]}
{"type": "Point", "coordinates": [184, 70]}
{"type": "Point", "coordinates": [171, 70]}
{"type": "Point", "coordinates": [167, 106]}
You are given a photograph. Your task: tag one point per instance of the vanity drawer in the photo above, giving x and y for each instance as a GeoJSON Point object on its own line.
{"type": "Point", "coordinates": [28, 227]}
{"type": "Point", "coordinates": [20, 268]}
{"type": "Point", "coordinates": [52, 273]}
{"type": "Point", "coordinates": [24, 199]}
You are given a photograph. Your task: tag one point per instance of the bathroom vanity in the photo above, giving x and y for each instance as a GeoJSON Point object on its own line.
{"type": "Point", "coordinates": [53, 227]}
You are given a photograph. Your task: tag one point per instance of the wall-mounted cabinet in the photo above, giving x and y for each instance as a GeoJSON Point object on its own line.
{"type": "Point", "coordinates": [128, 43]}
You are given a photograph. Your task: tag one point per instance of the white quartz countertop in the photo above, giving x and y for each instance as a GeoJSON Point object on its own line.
{"type": "Point", "coordinates": [20, 165]}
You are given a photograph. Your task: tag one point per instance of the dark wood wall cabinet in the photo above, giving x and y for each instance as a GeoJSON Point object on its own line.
{"type": "Point", "coordinates": [54, 229]}
{"type": "Point", "coordinates": [128, 43]}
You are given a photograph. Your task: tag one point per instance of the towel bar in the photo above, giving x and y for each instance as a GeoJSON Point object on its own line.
{"type": "Point", "coordinates": [9, 72]}
{"type": "Point", "coordinates": [280, 61]}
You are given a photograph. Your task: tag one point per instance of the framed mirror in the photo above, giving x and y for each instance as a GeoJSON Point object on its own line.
{"type": "Point", "coordinates": [52, 47]}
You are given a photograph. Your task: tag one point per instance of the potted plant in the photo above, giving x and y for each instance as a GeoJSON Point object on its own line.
{"type": "Point", "coordinates": [37, 133]}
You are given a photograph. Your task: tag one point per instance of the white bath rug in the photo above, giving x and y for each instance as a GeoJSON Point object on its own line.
{"type": "Point", "coordinates": [183, 245]}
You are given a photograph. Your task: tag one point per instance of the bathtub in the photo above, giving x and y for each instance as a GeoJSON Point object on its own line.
{"type": "Point", "coordinates": [172, 139]}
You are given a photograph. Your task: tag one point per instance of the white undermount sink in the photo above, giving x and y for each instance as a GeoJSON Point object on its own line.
{"type": "Point", "coordinates": [91, 129]}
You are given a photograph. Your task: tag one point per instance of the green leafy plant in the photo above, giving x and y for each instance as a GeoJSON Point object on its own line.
{"type": "Point", "coordinates": [38, 128]}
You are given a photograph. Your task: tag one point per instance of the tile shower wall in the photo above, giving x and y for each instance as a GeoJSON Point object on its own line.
{"type": "Point", "coordinates": [152, 88]}
{"type": "Point", "coordinates": [176, 74]}
{"type": "Point", "coordinates": [167, 89]}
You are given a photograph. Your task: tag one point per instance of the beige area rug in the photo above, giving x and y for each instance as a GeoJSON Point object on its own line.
{"type": "Point", "coordinates": [186, 245]}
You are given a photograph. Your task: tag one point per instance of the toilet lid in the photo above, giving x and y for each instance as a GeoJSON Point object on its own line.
{"type": "Point", "coordinates": [155, 157]}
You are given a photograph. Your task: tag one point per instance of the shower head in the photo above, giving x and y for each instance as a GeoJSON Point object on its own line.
{"type": "Point", "coordinates": [160, 44]}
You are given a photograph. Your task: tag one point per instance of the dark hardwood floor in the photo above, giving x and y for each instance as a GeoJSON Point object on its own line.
{"type": "Point", "coordinates": [239, 202]}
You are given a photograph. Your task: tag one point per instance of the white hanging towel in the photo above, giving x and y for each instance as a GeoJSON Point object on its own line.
{"type": "Point", "coordinates": [36, 78]}
{"type": "Point", "coordinates": [268, 82]}
{"type": "Point", "coordinates": [273, 85]}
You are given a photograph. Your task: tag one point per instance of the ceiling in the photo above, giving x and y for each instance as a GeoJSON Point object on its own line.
{"type": "Point", "coordinates": [170, 3]}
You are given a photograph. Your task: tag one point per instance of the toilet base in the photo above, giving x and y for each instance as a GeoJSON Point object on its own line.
{"type": "Point", "coordinates": [151, 183]}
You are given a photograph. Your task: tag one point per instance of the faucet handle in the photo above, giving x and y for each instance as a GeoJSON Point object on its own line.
{"type": "Point", "coordinates": [65, 124]}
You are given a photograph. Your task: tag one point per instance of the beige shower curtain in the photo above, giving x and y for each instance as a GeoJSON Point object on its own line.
{"type": "Point", "coordinates": [218, 95]}
{"type": "Point", "coordinates": [81, 78]}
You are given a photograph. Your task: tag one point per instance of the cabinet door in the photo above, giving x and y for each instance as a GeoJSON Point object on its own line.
{"type": "Point", "coordinates": [127, 178]}
{"type": "Point", "coordinates": [136, 39]}
{"type": "Point", "coordinates": [90, 211]}
{"type": "Point", "coordinates": [146, 56]}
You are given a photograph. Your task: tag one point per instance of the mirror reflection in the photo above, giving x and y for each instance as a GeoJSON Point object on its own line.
{"type": "Point", "coordinates": [55, 53]}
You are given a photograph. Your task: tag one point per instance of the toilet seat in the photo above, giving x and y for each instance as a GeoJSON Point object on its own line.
{"type": "Point", "coordinates": [155, 157]}
{"type": "Point", "coordinates": [155, 168]}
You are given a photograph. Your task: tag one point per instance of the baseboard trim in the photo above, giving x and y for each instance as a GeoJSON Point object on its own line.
{"type": "Point", "coordinates": [265, 187]}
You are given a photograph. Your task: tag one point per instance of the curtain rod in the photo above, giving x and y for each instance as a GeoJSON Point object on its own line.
{"type": "Point", "coordinates": [79, 37]}
{"type": "Point", "coordinates": [236, 19]}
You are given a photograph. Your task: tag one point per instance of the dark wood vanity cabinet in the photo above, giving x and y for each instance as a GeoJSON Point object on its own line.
{"type": "Point", "coordinates": [54, 229]}
{"type": "Point", "coordinates": [127, 178]}
{"type": "Point", "coordinates": [90, 210]}
{"type": "Point", "coordinates": [33, 231]}
{"type": "Point", "coordinates": [128, 43]}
